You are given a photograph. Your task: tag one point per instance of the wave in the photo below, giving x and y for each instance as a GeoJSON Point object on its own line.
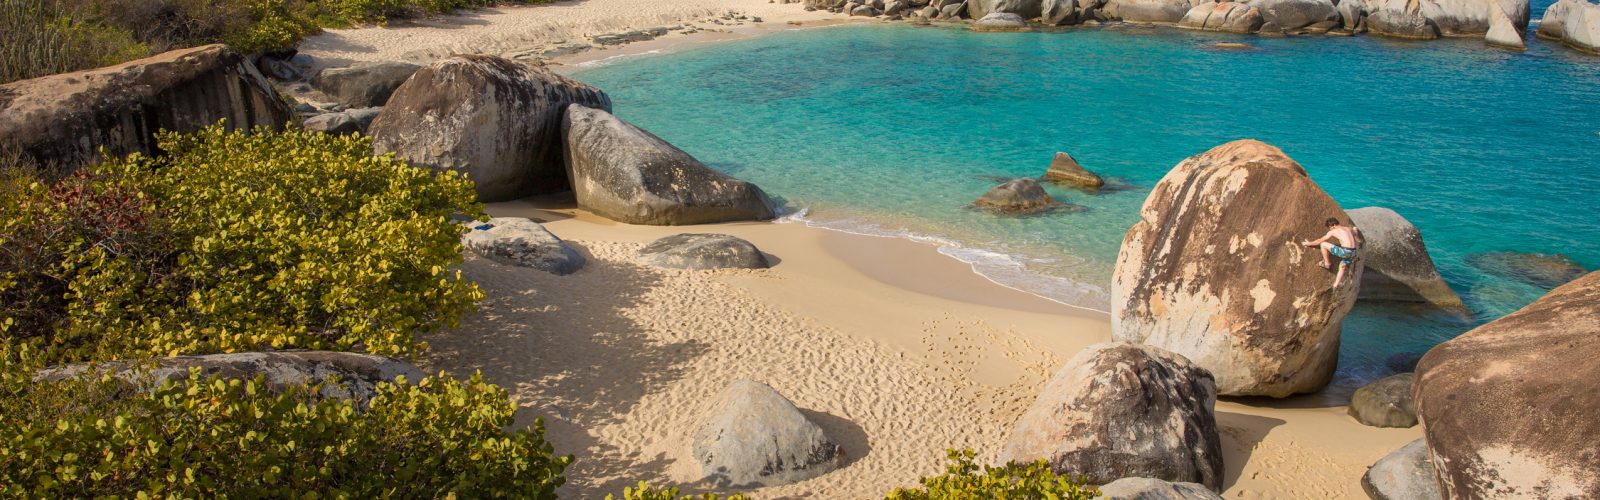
{"type": "Point", "coordinates": [612, 59]}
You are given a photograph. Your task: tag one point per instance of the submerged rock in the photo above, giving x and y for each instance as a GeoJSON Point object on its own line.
{"type": "Point", "coordinates": [1229, 17]}
{"type": "Point", "coordinates": [1385, 403]}
{"type": "Point", "coordinates": [1213, 270]}
{"type": "Point", "coordinates": [1537, 269]}
{"type": "Point", "coordinates": [1121, 410]}
{"type": "Point", "coordinates": [1066, 170]}
{"type": "Point", "coordinates": [1018, 197]}
{"type": "Point", "coordinates": [356, 375]}
{"type": "Point", "coordinates": [1000, 22]}
{"type": "Point", "coordinates": [1398, 268]}
{"type": "Point", "coordinates": [753, 437]}
{"type": "Point", "coordinates": [522, 242]}
{"type": "Point", "coordinates": [1404, 474]}
{"type": "Point", "coordinates": [704, 251]}
{"type": "Point", "coordinates": [1144, 488]}
{"type": "Point", "coordinates": [364, 85]}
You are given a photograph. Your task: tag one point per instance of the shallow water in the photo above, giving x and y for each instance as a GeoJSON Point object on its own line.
{"type": "Point", "coordinates": [896, 129]}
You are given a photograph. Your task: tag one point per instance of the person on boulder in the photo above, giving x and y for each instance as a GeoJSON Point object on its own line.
{"type": "Point", "coordinates": [1349, 239]}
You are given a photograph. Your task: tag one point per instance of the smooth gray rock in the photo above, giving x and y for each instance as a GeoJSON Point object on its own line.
{"type": "Point", "coordinates": [626, 174]}
{"type": "Point", "coordinates": [1121, 410]}
{"type": "Point", "coordinates": [1398, 268]}
{"type": "Point", "coordinates": [356, 375]}
{"type": "Point", "coordinates": [1296, 14]}
{"type": "Point", "coordinates": [1401, 19]}
{"type": "Point", "coordinates": [1018, 197]}
{"type": "Point", "coordinates": [1229, 17]}
{"type": "Point", "coordinates": [1026, 9]}
{"type": "Point", "coordinates": [347, 122]}
{"type": "Point", "coordinates": [1147, 11]}
{"type": "Point", "coordinates": [1385, 403]}
{"type": "Point", "coordinates": [1351, 13]}
{"type": "Point", "coordinates": [1000, 22]}
{"type": "Point", "coordinates": [1144, 488]}
{"type": "Point", "coordinates": [1064, 169]}
{"type": "Point", "coordinates": [1403, 474]}
{"type": "Point", "coordinates": [895, 8]}
{"type": "Point", "coordinates": [364, 85]}
{"type": "Point", "coordinates": [523, 242]}
{"type": "Point", "coordinates": [703, 251]}
{"type": "Point", "coordinates": [752, 437]}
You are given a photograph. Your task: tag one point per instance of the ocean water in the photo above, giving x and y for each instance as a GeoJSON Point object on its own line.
{"type": "Point", "coordinates": [895, 129]}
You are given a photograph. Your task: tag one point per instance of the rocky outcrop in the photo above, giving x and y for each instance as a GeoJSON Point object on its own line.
{"type": "Point", "coordinates": [1404, 474]}
{"type": "Point", "coordinates": [703, 251]}
{"type": "Point", "coordinates": [522, 242]}
{"type": "Point", "coordinates": [1144, 488]}
{"type": "Point", "coordinates": [1230, 17]}
{"type": "Point", "coordinates": [1538, 269]}
{"type": "Point", "coordinates": [623, 173]}
{"type": "Point", "coordinates": [1575, 23]}
{"type": "Point", "coordinates": [64, 120]}
{"type": "Point", "coordinates": [1473, 17]}
{"type": "Point", "coordinates": [1398, 268]}
{"type": "Point", "coordinates": [1296, 14]}
{"type": "Point", "coordinates": [1509, 407]}
{"type": "Point", "coordinates": [1353, 14]}
{"type": "Point", "coordinates": [364, 85]}
{"type": "Point", "coordinates": [1124, 410]}
{"type": "Point", "coordinates": [1502, 31]}
{"type": "Point", "coordinates": [1401, 19]}
{"type": "Point", "coordinates": [1000, 22]}
{"type": "Point", "coordinates": [751, 436]}
{"type": "Point", "coordinates": [1385, 403]}
{"type": "Point", "coordinates": [1066, 170]}
{"type": "Point", "coordinates": [347, 122]}
{"type": "Point", "coordinates": [1026, 9]}
{"type": "Point", "coordinates": [355, 375]}
{"type": "Point", "coordinates": [1060, 12]}
{"type": "Point", "coordinates": [496, 120]}
{"type": "Point", "coordinates": [1213, 270]}
{"type": "Point", "coordinates": [1146, 11]}
{"type": "Point", "coordinates": [1018, 197]}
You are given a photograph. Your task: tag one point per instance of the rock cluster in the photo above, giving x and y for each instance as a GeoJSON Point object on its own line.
{"type": "Point", "coordinates": [364, 85]}
{"type": "Point", "coordinates": [1230, 17]}
{"type": "Point", "coordinates": [751, 436]}
{"type": "Point", "coordinates": [522, 242]}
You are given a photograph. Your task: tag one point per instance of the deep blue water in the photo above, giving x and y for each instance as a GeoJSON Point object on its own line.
{"type": "Point", "coordinates": [895, 129]}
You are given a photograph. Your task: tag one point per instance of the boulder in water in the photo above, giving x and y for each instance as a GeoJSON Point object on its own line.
{"type": "Point", "coordinates": [1398, 268]}
{"type": "Point", "coordinates": [357, 374]}
{"type": "Point", "coordinates": [1404, 474]}
{"type": "Point", "coordinates": [1026, 9]}
{"type": "Point", "coordinates": [1144, 488]}
{"type": "Point", "coordinates": [1297, 14]}
{"type": "Point", "coordinates": [1401, 19]}
{"type": "Point", "coordinates": [752, 436]}
{"type": "Point", "coordinates": [1538, 269]}
{"type": "Point", "coordinates": [704, 251]}
{"type": "Point", "coordinates": [1066, 170]}
{"type": "Point", "coordinates": [1146, 11]}
{"type": "Point", "coordinates": [1018, 197]}
{"type": "Point", "coordinates": [522, 242]}
{"type": "Point", "coordinates": [1000, 22]}
{"type": "Point", "coordinates": [1230, 17]}
{"type": "Point", "coordinates": [1059, 12]}
{"type": "Point", "coordinates": [1575, 23]}
{"type": "Point", "coordinates": [364, 85]}
{"type": "Point", "coordinates": [1502, 32]}
{"type": "Point", "coordinates": [1385, 403]}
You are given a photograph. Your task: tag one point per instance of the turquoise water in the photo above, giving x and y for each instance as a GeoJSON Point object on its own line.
{"type": "Point", "coordinates": [895, 129]}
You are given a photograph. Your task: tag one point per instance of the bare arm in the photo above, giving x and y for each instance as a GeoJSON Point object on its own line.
{"type": "Point", "coordinates": [1319, 241]}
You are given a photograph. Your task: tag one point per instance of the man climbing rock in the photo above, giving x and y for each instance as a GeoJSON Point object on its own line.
{"type": "Point", "coordinates": [1349, 240]}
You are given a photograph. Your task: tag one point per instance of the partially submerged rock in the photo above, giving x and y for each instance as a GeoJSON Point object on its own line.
{"type": "Point", "coordinates": [1066, 170]}
{"type": "Point", "coordinates": [1502, 31]}
{"type": "Point", "coordinates": [1538, 269]}
{"type": "Point", "coordinates": [1121, 410]}
{"type": "Point", "coordinates": [1385, 403]}
{"type": "Point", "coordinates": [1398, 268]}
{"type": "Point", "coordinates": [1575, 23]}
{"type": "Point", "coordinates": [1018, 197]}
{"type": "Point", "coordinates": [1404, 474]}
{"type": "Point", "coordinates": [752, 437]}
{"type": "Point", "coordinates": [356, 375]}
{"type": "Point", "coordinates": [1144, 488]}
{"type": "Point", "coordinates": [999, 22]}
{"type": "Point", "coordinates": [1229, 17]}
{"type": "Point", "coordinates": [364, 85]}
{"type": "Point", "coordinates": [522, 242]}
{"type": "Point", "coordinates": [704, 251]}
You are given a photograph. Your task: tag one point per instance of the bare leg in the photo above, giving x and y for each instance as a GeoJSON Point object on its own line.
{"type": "Point", "coordinates": [1326, 264]}
{"type": "Point", "coordinates": [1339, 279]}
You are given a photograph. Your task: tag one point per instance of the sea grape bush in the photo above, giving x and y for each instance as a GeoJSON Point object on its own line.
{"type": "Point", "coordinates": [646, 492]}
{"type": "Point", "coordinates": [965, 479]}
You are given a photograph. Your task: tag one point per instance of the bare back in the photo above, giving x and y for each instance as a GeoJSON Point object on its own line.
{"type": "Point", "coordinates": [1348, 237]}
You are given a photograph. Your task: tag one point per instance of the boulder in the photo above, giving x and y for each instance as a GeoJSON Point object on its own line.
{"type": "Point", "coordinates": [1502, 33]}
{"type": "Point", "coordinates": [496, 120]}
{"type": "Point", "coordinates": [1401, 19]}
{"type": "Point", "coordinates": [1124, 410]}
{"type": "Point", "coordinates": [1509, 408]}
{"type": "Point", "coordinates": [1297, 14]}
{"type": "Point", "coordinates": [356, 375]}
{"type": "Point", "coordinates": [1026, 9]}
{"type": "Point", "coordinates": [522, 242]}
{"type": "Point", "coordinates": [347, 122]}
{"type": "Point", "coordinates": [364, 85]}
{"type": "Point", "coordinates": [1230, 17]}
{"type": "Point", "coordinates": [626, 174]}
{"type": "Point", "coordinates": [1473, 17]}
{"type": "Point", "coordinates": [1144, 488]}
{"type": "Point", "coordinates": [1018, 197]}
{"type": "Point", "coordinates": [1398, 268]}
{"type": "Point", "coordinates": [1000, 22]}
{"type": "Point", "coordinates": [895, 8]}
{"type": "Point", "coordinates": [1059, 12]}
{"type": "Point", "coordinates": [1066, 170]}
{"type": "Point", "coordinates": [1385, 403]}
{"type": "Point", "coordinates": [63, 120]}
{"type": "Point", "coordinates": [1146, 11]}
{"type": "Point", "coordinates": [1537, 269]}
{"type": "Point", "coordinates": [703, 251]}
{"type": "Point", "coordinates": [1575, 23]}
{"type": "Point", "coordinates": [864, 11]}
{"type": "Point", "coordinates": [751, 437]}
{"type": "Point", "coordinates": [1404, 474]}
{"type": "Point", "coordinates": [1351, 13]}
{"type": "Point", "coordinates": [1214, 271]}
{"type": "Point", "coordinates": [952, 11]}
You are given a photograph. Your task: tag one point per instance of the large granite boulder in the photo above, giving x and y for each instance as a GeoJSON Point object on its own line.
{"type": "Point", "coordinates": [1146, 11]}
{"type": "Point", "coordinates": [364, 85]}
{"type": "Point", "coordinates": [496, 120]}
{"type": "Point", "coordinates": [624, 173]}
{"type": "Point", "coordinates": [65, 119]}
{"type": "Point", "coordinates": [1018, 197]}
{"type": "Point", "coordinates": [703, 251]}
{"type": "Point", "coordinates": [347, 122]}
{"type": "Point", "coordinates": [1124, 410]}
{"type": "Point", "coordinates": [1575, 23]}
{"type": "Point", "coordinates": [1026, 9]}
{"type": "Point", "coordinates": [1398, 268]}
{"type": "Point", "coordinates": [1144, 488]}
{"type": "Point", "coordinates": [751, 436]}
{"type": "Point", "coordinates": [1296, 14]}
{"type": "Point", "coordinates": [1060, 12]}
{"type": "Point", "coordinates": [355, 375]}
{"type": "Point", "coordinates": [1502, 31]}
{"type": "Point", "coordinates": [1509, 408]}
{"type": "Point", "coordinates": [1404, 474]}
{"type": "Point", "coordinates": [1353, 13]}
{"type": "Point", "coordinates": [1538, 269]}
{"type": "Point", "coordinates": [1214, 271]}
{"type": "Point", "coordinates": [1473, 17]}
{"type": "Point", "coordinates": [1401, 19]}
{"type": "Point", "coordinates": [1230, 17]}
{"type": "Point", "coordinates": [1066, 170]}
{"type": "Point", "coordinates": [1385, 403]}
{"type": "Point", "coordinates": [1000, 22]}
{"type": "Point", "coordinates": [522, 242]}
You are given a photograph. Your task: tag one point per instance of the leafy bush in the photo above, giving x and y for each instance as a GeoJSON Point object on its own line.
{"type": "Point", "coordinates": [42, 37]}
{"type": "Point", "coordinates": [212, 437]}
{"type": "Point", "coordinates": [233, 242]}
{"type": "Point", "coordinates": [963, 479]}
{"type": "Point", "coordinates": [646, 492]}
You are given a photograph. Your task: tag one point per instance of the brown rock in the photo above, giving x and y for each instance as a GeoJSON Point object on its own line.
{"type": "Point", "coordinates": [1066, 170]}
{"type": "Point", "coordinates": [1231, 17]}
{"type": "Point", "coordinates": [1018, 196]}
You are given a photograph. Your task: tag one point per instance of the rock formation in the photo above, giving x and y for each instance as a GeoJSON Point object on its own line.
{"type": "Point", "coordinates": [703, 251]}
{"type": "Point", "coordinates": [1026, 9]}
{"type": "Point", "coordinates": [496, 120]}
{"type": "Point", "coordinates": [1000, 22]}
{"type": "Point", "coordinates": [1124, 410]}
{"type": "Point", "coordinates": [1404, 474]}
{"type": "Point", "coordinates": [1144, 488]}
{"type": "Point", "coordinates": [1146, 11]}
{"type": "Point", "coordinates": [63, 120]}
{"type": "Point", "coordinates": [1509, 407]}
{"type": "Point", "coordinates": [1385, 403]}
{"type": "Point", "coordinates": [522, 242]}
{"type": "Point", "coordinates": [1018, 197]}
{"type": "Point", "coordinates": [1066, 170]}
{"type": "Point", "coordinates": [1398, 268]}
{"type": "Point", "coordinates": [357, 374]}
{"type": "Point", "coordinates": [1502, 32]}
{"type": "Point", "coordinates": [752, 437]}
{"type": "Point", "coordinates": [1230, 17]}
{"type": "Point", "coordinates": [364, 85]}
{"type": "Point", "coordinates": [1537, 269]}
{"type": "Point", "coordinates": [1214, 271]}
{"type": "Point", "coordinates": [1060, 12]}
{"type": "Point", "coordinates": [347, 122]}
{"type": "Point", "coordinates": [1575, 23]}
{"type": "Point", "coordinates": [1296, 14]}
{"type": "Point", "coordinates": [623, 173]}
{"type": "Point", "coordinates": [1401, 19]}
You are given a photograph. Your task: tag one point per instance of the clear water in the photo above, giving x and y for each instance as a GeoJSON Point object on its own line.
{"type": "Point", "coordinates": [896, 129]}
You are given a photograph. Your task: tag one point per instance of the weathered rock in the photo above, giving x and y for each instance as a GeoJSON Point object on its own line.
{"type": "Point", "coordinates": [1214, 271]}
{"type": "Point", "coordinates": [952, 11]}
{"type": "Point", "coordinates": [1473, 17]}
{"type": "Point", "coordinates": [1066, 170]}
{"type": "Point", "coordinates": [1509, 407]}
{"type": "Point", "coordinates": [1146, 11]}
{"type": "Point", "coordinates": [1144, 488]}
{"type": "Point", "coordinates": [1124, 410]}
{"type": "Point", "coordinates": [1000, 22]}
{"type": "Point", "coordinates": [752, 436]}
{"type": "Point", "coordinates": [1059, 12]}
{"type": "Point", "coordinates": [1026, 9]}
{"type": "Point", "coordinates": [1575, 23]}
{"type": "Point", "coordinates": [1398, 268]}
{"type": "Point", "coordinates": [928, 12]}
{"type": "Point", "coordinates": [864, 11]}
{"type": "Point", "coordinates": [357, 375]}
{"type": "Point", "coordinates": [1385, 403]}
{"type": "Point", "coordinates": [895, 8]}
{"type": "Point", "coordinates": [364, 85]}
{"type": "Point", "coordinates": [1352, 13]}
{"type": "Point", "coordinates": [1018, 197]}
{"type": "Point", "coordinates": [1404, 474]}
{"type": "Point", "coordinates": [348, 122]}
{"type": "Point", "coordinates": [1537, 269]}
{"type": "Point", "coordinates": [279, 69]}
{"type": "Point", "coordinates": [65, 119]}
{"type": "Point", "coordinates": [1297, 14]}
{"type": "Point", "coordinates": [1230, 17]}
{"type": "Point", "coordinates": [1401, 19]}
{"type": "Point", "coordinates": [703, 251]}
{"type": "Point", "coordinates": [626, 174]}
{"type": "Point", "coordinates": [1502, 33]}
{"type": "Point", "coordinates": [496, 120]}
{"type": "Point", "coordinates": [522, 242]}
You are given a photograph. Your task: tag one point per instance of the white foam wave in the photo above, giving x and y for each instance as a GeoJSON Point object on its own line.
{"type": "Point", "coordinates": [609, 60]}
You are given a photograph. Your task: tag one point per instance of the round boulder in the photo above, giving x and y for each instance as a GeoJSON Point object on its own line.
{"type": "Point", "coordinates": [1404, 474]}
{"type": "Point", "coordinates": [1124, 410]}
{"type": "Point", "coordinates": [364, 85]}
{"type": "Point", "coordinates": [1398, 268]}
{"type": "Point", "coordinates": [703, 251]}
{"type": "Point", "coordinates": [1385, 403]}
{"type": "Point", "coordinates": [1147, 11]}
{"type": "Point", "coordinates": [1000, 22]}
{"type": "Point", "coordinates": [522, 242]}
{"type": "Point", "coordinates": [753, 437]}
{"type": "Point", "coordinates": [1066, 170]}
{"type": "Point", "coordinates": [1144, 488]}
{"type": "Point", "coordinates": [1229, 17]}
{"type": "Point", "coordinates": [1296, 14]}
{"type": "Point", "coordinates": [1018, 197]}
{"type": "Point", "coordinates": [1401, 19]}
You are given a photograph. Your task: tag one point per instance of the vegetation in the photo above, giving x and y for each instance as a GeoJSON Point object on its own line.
{"type": "Point", "coordinates": [964, 479]}
{"type": "Point", "coordinates": [646, 492]}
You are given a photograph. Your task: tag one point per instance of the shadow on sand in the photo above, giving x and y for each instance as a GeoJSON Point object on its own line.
{"type": "Point", "coordinates": [1240, 435]}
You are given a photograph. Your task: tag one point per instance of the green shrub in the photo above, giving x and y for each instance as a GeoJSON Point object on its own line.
{"type": "Point", "coordinates": [43, 37]}
{"type": "Point", "coordinates": [963, 479]}
{"type": "Point", "coordinates": [233, 242]}
{"type": "Point", "coordinates": [212, 437]}
{"type": "Point", "coordinates": [646, 492]}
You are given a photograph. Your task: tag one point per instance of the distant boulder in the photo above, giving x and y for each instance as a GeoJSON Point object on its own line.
{"type": "Point", "coordinates": [1297, 14]}
{"type": "Point", "coordinates": [1144, 488]}
{"type": "Point", "coordinates": [356, 375]}
{"type": "Point", "coordinates": [1018, 197]}
{"type": "Point", "coordinates": [1066, 170]}
{"type": "Point", "coordinates": [1502, 31]}
{"type": "Point", "coordinates": [1025, 9]}
{"type": "Point", "coordinates": [1060, 12]}
{"type": "Point", "coordinates": [703, 251]}
{"type": "Point", "coordinates": [751, 436]}
{"type": "Point", "coordinates": [1404, 474]}
{"type": "Point", "coordinates": [1385, 403]}
{"type": "Point", "coordinates": [1000, 22]}
{"type": "Point", "coordinates": [1146, 11]}
{"type": "Point", "coordinates": [347, 122]}
{"type": "Point", "coordinates": [1575, 23]}
{"type": "Point", "coordinates": [1228, 17]}
{"type": "Point", "coordinates": [1537, 269]}
{"type": "Point", "coordinates": [364, 85]}
{"type": "Point", "coordinates": [1401, 19]}
{"type": "Point", "coordinates": [1398, 268]}
{"type": "Point", "coordinates": [522, 242]}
